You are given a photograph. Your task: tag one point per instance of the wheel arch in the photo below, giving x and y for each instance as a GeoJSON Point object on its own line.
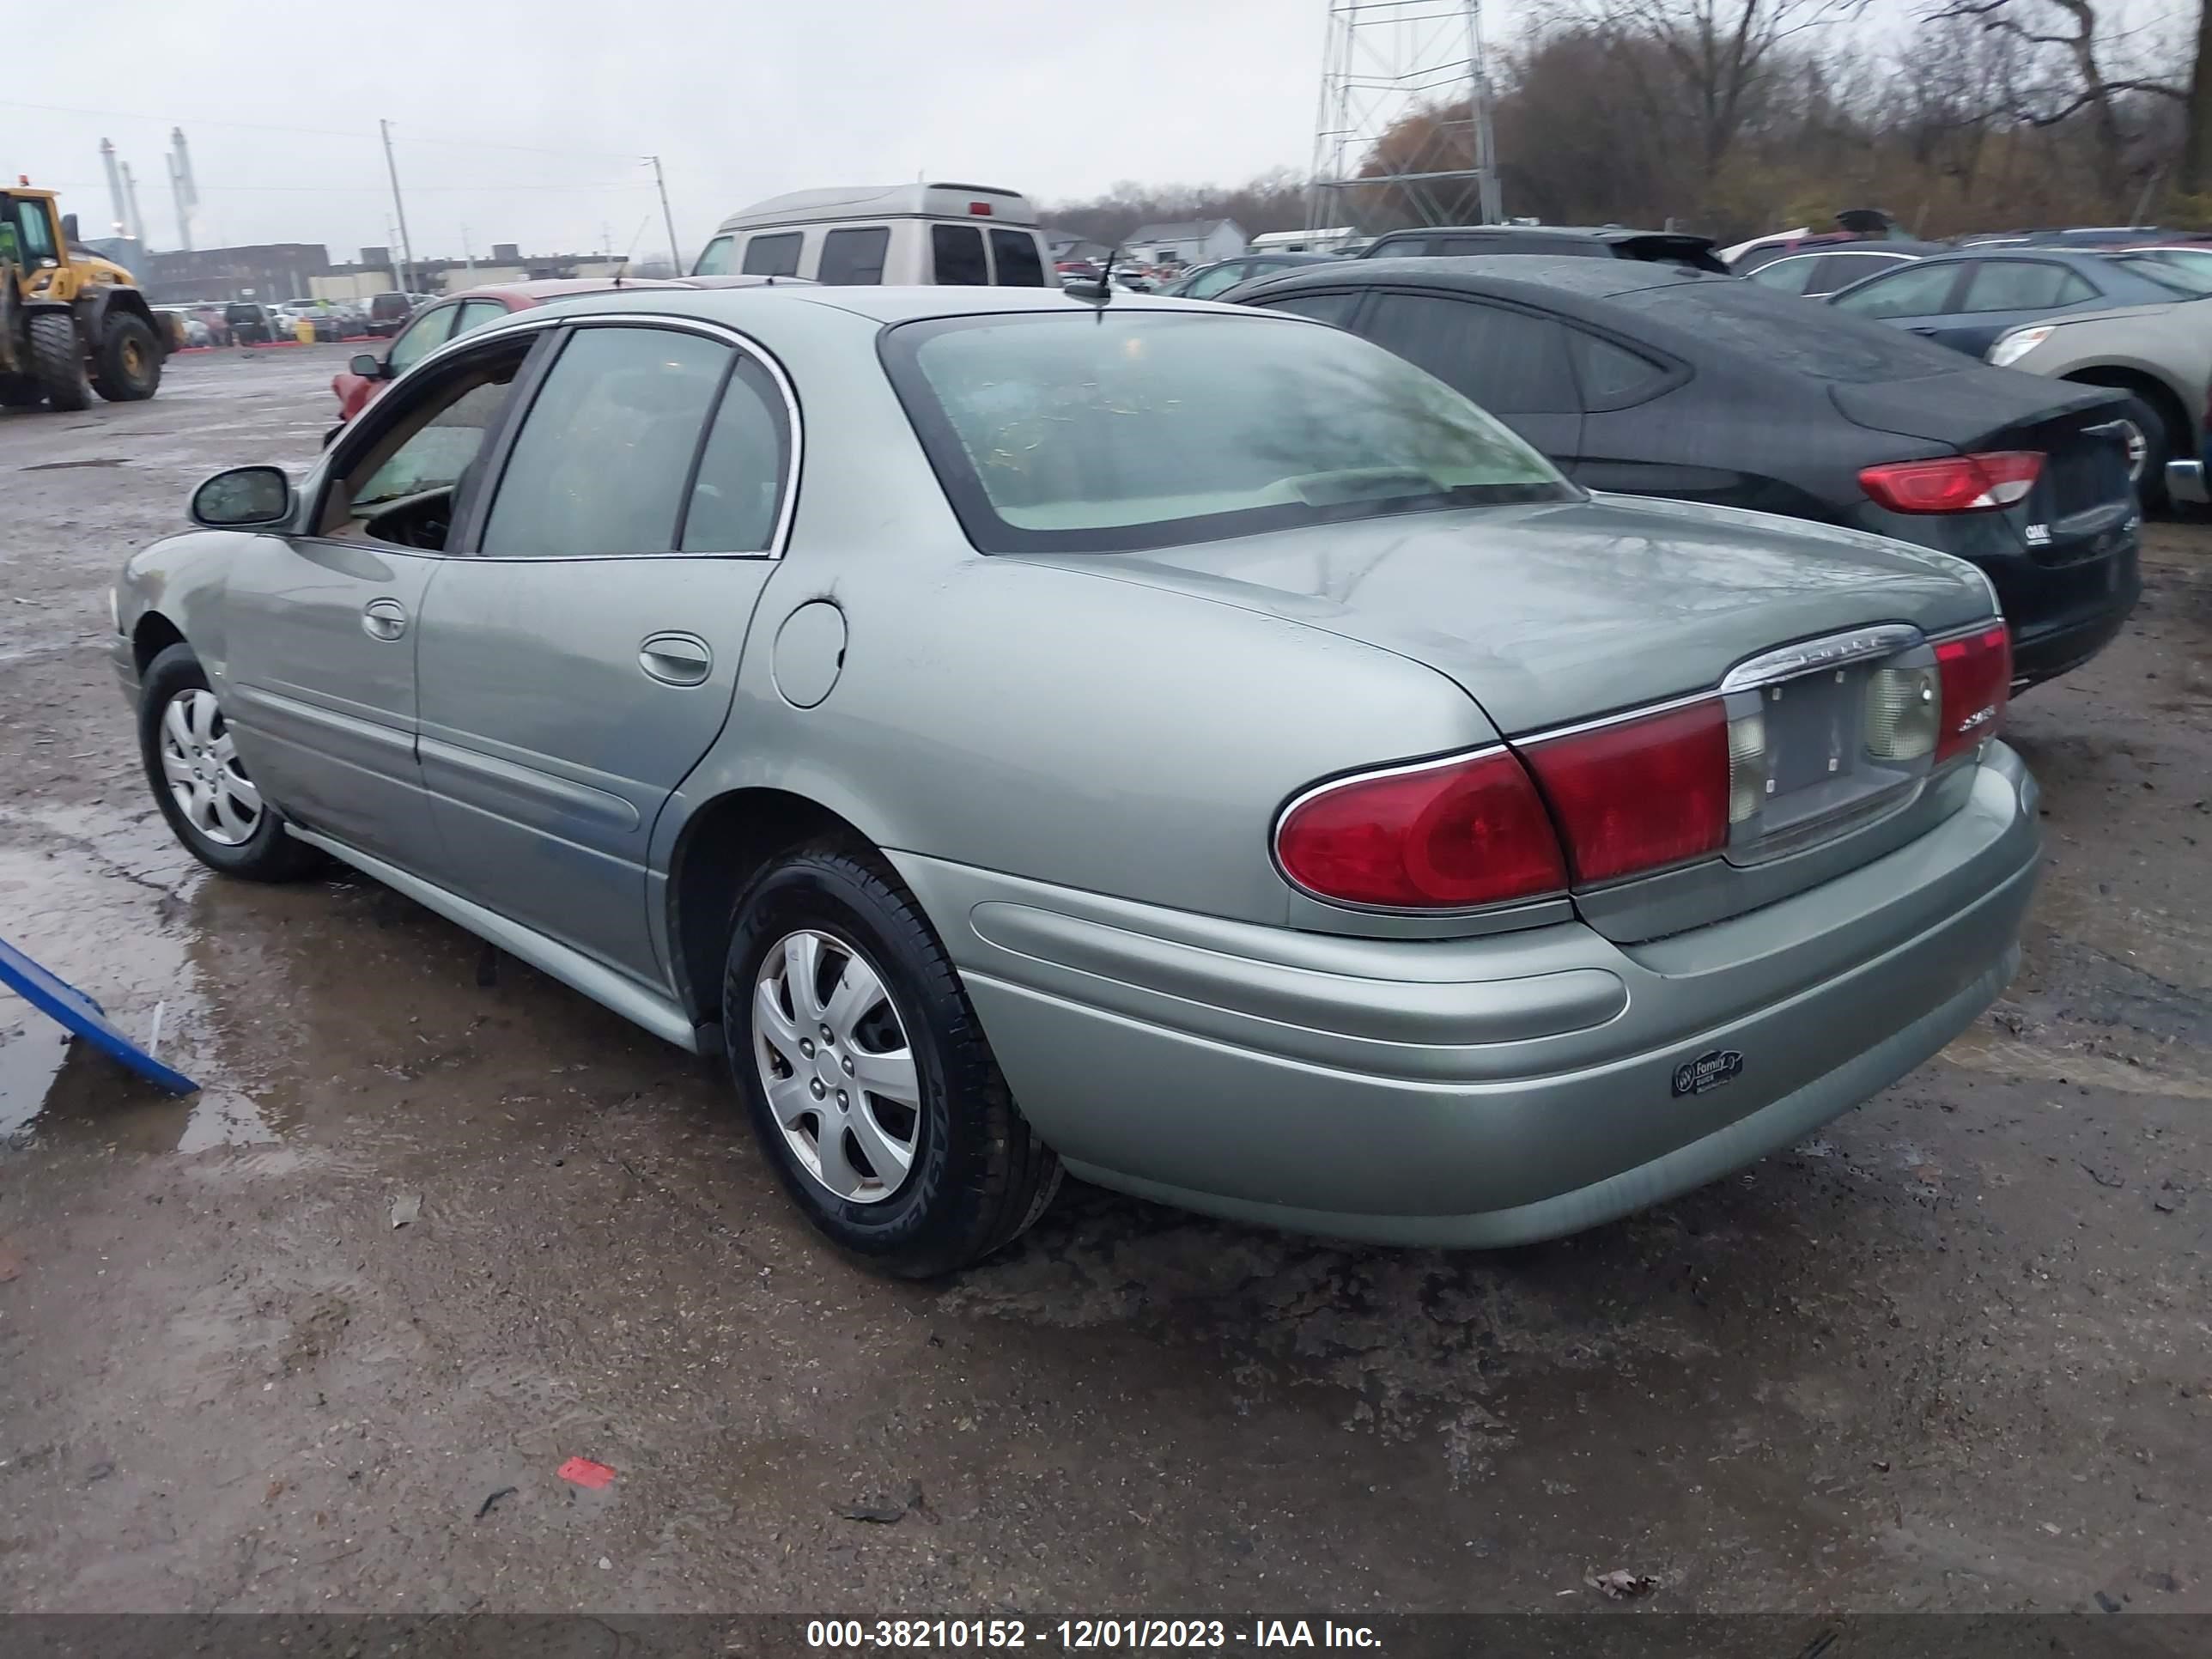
{"type": "Point", "coordinates": [2179, 432]}
{"type": "Point", "coordinates": [151, 635]}
{"type": "Point", "coordinates": [722, 844]}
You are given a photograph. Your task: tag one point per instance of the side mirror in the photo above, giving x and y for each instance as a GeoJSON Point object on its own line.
{"type": "Point", "coordinates": [368, 365]}
{"type": "Point", "coordinates": [244, 498]}
{"type": "Point", "coordinates": [69, 228]}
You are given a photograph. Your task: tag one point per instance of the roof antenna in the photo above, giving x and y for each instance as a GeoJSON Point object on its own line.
{"type": "Point", "coordinates": [1101, 291]}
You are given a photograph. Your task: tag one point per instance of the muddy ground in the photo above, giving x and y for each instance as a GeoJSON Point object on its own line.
{"type": "Point", "coordinates": [1954, 1354]}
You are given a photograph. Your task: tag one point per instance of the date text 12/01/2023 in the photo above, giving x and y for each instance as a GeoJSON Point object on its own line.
{"type": "Point", "coordinates": [854, 1635]}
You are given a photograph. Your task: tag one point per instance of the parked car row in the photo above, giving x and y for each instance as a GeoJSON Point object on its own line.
{"type": "Point", "coordinates": [1186, 745]}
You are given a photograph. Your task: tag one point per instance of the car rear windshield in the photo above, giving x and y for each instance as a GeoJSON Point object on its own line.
{"type": "Point", "coordinates": [1818, 343]}
{"type": "Point", "coordinates": [1114, 431]}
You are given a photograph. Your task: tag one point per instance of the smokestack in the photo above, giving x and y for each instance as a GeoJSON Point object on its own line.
{"type": "Point", "coordinates": [114, 188]}
{"type": "Point", "coordinates": [137, 225]}
{"type": "Point", "coordinates": [181, 185]}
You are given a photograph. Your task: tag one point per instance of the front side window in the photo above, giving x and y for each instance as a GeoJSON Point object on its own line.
{"type": "Point", "coordinates": [1512, 362]}
{"type": "Point", "coordinates": [37, 234]}
{"type": "Point", "coordinates": [714, 258]}
{"type": "Point", "coordinates": [600, 465]}
{"type": "Point", "coordinates": [774, 256]}
{"type": "Point", "coordinates": [956, 255]}
{"type": "Point", "coordinates": [1014, 252]}
{"type": "Point", "coordinates": [1923, 290]}
{"type": "Point", "coordinates": [430, 329]}
{"type": "Point", "coordinates": [1114, 431]}
{"type": "Point", "coordinates": [2023, 285]}
{"type": "Point", "coordinates": [854, 258]}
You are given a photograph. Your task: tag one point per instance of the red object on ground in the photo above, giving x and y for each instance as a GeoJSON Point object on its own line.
{"type": "Point", "coordinates": [582, 1472]}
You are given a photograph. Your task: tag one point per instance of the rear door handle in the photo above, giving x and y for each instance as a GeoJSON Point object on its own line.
{"type": "Point", "coordinates": [676, 658]}
{"type": "Point", "coordinates": [384, 619]}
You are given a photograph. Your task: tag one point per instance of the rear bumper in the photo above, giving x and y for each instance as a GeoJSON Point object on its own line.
{"type": "Point", "coordinates": [1483, 1091]}
{"type": "Point", "coordinates": [2185, 483]}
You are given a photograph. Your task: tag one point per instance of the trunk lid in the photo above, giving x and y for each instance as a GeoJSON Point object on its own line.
{"type": "Point", "coordinates": [1549, 614]}
{"type": "Point", "coordinates": [1972, 410]}
{"type": "Point", "coordinates": [1552, 615]}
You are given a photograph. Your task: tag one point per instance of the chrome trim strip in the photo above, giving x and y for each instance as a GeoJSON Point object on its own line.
{"type": "Point", "coordinates": [1807, 656]}
{"type": "Point", "coordinates": [1622, 717]}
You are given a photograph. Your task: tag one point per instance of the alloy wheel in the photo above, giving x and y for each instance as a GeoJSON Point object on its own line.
{"type": "Point", "coordinates": [836, 1066]}
{"type": "Point", "coordinates": [200, 764]}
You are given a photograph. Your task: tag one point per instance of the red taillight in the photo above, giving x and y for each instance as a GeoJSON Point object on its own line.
{"type": "Point", "coordinates": [1975, 674]}
{"type": "Point", "coordinates": [1458, 833]}
{"type": "Point", "coordinates": [980, 209]}
{"type": "Point", "coordinates": [1640, 793]}
{"type": "Point", "coordinates": [1957, 484]}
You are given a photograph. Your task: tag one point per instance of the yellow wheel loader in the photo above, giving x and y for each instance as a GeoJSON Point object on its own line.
{"type": "Point", "coordinates": [71, 323]}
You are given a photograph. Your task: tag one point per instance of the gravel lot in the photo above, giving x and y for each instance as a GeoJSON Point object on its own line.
{"type": "Point", "coordinates": [1954, 1354]}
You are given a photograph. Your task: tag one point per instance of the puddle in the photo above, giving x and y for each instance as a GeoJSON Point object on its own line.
{"type": "Point", "coordinates": [30, 1058]}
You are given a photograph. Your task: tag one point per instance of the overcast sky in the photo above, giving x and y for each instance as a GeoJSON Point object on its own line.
{"type": "Point", "coordinates": [1057, 98]}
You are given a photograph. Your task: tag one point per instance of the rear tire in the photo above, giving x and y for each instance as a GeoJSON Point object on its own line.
{"type": "Point", "coordinates": [130, 362]}
{"type": "Point", "coordinates": [975, 1176]}
{"type": "Point", "coordinates": [172, 699]}
{"type": "Point", "coordinates": [58, 358]}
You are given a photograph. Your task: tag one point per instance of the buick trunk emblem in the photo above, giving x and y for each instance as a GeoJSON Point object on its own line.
{"type": "Point", "coordinates": [1708, 1072]}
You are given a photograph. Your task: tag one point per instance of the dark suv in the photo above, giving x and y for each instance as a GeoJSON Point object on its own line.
{"type": "Point", "coordinates": [388, 312]}
{"type": "Point", "coordinates": [1665, 248]}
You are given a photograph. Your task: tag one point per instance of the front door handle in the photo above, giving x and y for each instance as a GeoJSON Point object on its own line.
{"type": "Point", "coordinates": [676, 658]}
{"type": "Point", "coordinates": [384, 619]}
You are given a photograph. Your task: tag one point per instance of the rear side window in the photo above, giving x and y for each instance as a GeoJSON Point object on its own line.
{"type": "Point", "coordinates": [1510, 362]}
{"type": "Point", "coordinates": [1612, 376]}
{"type": "Point", "coordinates": [1921, 291]}
{"type": "Point", "coordinates": [2023, 285]}
{"type": "Point", "coordinates": [1837, 272]}
{"type": "Point", "coordinates": [853, 258]}
{"type": "Point", "coordinates": [956, 256]}
{"type": "Point", "coordinates": [474, 314]}
{"type": "Point", "coordinates": [429, 331]}
{"type": "Point", "coordinates": [740, 488]}
{"type": "Point", "coordinates": [773, 256]}
{"type": "Point", "coordinates": [1014, 254]}
{"type": "Point", "coordinates": [1400, 248]}
{"type": "Point", "coordinates": [600, 465]}
{"type": "Point", "coordinates": [1336, 308]}
{"type": "Point", "coordinates": [714, 258]}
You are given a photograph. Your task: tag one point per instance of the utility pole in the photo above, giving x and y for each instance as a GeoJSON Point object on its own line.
{"type": "Point", "coordinates": [406, 251]}
{"type": "Point", "coordinates": [675, 257]}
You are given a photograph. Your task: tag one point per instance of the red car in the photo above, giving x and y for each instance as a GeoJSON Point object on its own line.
{"type": "Point", "coordinates": [362, 381]}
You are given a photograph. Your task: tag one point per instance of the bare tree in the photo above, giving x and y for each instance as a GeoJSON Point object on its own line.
{"type": "Point", "coordinates": [1716, 60]}
{"type": "Point", "coordinates": [2066, 72]}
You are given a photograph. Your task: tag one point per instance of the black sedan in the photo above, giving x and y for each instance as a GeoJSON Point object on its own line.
{"type": "Point", "coordinates": [1650, 381]}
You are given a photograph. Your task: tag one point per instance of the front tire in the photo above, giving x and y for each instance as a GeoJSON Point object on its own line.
{"type": "Point", "coordinates": [867, 1075]}
{"type": "Point", "coordinates": [199, 783]}
{"type": "Point", "coordinates": [130, 366]}
{"type": "Point", "coordinates": [58, 358]}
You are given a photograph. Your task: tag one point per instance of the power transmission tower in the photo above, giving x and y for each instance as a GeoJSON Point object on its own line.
{"type": "Point", "coordinates": [1384, 61]}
